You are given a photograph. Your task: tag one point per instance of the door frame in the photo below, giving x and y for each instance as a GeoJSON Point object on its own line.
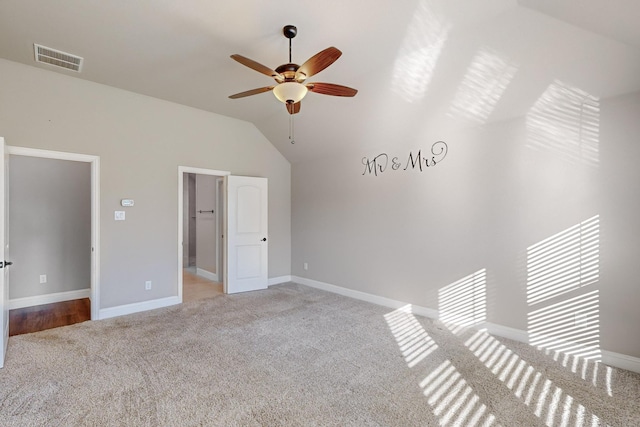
{"type": "Point", "coordinates": [95, 209]}
{"type": "Point", "coordinates": [221, 206]}
{"type": "Point", "coordinates": [199, 171]}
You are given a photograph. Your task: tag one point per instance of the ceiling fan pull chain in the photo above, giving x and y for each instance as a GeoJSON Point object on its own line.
{"type": "Point", "coordinates": [291, 129]}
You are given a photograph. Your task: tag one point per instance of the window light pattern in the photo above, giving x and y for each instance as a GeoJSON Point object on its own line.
{"type": "Point", "coordinates": [547, 400]}
{"type": "Point", "coordinates": [448, 394]}
{"type": "Point", "coordinates": [416, 62]}
{"type": "Point", "coordinates": [483, 85]}
{"type": "Point", "coordinates": [564, 262]}
{"type": "Point", "coordinates": [464, 303]}
{"type": "Point", "coordinates": [570, 327]}
{"type": "Point", "coordinates": [566, 122]}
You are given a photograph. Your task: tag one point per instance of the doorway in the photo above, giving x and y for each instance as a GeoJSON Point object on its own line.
{"type": "Point", "coordinates": [243, 203]}
{"type": "Point", "coordinates": [201, 226]}
{"type": "Point", "coordinates": [201, 219]}
{"type": "Point", "coordinates": [55, 232]}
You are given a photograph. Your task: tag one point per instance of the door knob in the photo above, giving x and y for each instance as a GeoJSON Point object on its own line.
{"type": "Point", "coordinates": [5, 263]}
{"type": "Point", "coordinates": [264, 239]}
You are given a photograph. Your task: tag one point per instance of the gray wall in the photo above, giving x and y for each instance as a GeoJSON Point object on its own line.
{"type": "Point", "coordinates": [141, 142]}
{"type": "Point", "coordinates": [50, 226]}
{"type": "Point", "coordinates": [501, 189]}
{"type": "Point", "coordinates": [206, 236]}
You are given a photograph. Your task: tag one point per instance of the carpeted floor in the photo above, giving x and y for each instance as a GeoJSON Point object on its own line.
{"type": "Point", "coordinates": [296, 356]}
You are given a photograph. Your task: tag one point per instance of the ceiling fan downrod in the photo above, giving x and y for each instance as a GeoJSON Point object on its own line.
{"type": "Point", "coordinates": [290, 31]}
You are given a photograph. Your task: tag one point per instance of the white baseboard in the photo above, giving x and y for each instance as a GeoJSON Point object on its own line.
{"type": "Point", "coordinates": [48, 298]}
{"type": "Point", "coordinates": [507, 332]}
{"type": "Point", "coordinates": [617, 360]}
{"type": "Point", "coordinates": [206, 274]}
{"type": "Point", "coordinates": [363, 296]}
{"type": "Point", "coordinates": [137, 307]}
{"type": "Point", "coordinates": [623, 361]}
{"type": "Point", "coordinates": [278, 280]}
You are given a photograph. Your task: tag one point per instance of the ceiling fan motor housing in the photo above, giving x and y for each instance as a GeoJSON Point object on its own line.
{"type": "Point", "coordinates": [288, 71]}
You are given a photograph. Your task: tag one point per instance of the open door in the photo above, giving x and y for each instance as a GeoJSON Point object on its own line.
{"type": "Point", "coordinates": [247, 223]}
{"type": "Point", "coordinates": [4, 253]}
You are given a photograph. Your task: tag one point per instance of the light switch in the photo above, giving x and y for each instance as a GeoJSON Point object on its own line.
{"type": "Point", "coordinates": [119, 216]}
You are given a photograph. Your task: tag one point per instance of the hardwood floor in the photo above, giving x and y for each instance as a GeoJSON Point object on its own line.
{"type": "Point", "coordinates": [195, 287]}
{"type": "Point", "coordinates": [41, 317]}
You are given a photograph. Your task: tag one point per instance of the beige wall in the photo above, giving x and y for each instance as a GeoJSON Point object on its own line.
{"type": "Point", "coordinates": [406, 235]}
{"type": "Point", "coordinates": [141, 142]}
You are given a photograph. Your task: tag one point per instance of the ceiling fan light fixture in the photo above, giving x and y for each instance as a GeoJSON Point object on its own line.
{"type": "Point", "coordinates": [290, 91]}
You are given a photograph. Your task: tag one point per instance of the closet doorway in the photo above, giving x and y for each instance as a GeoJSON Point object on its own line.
{"type": "Point", "coordinates": [202, 235]}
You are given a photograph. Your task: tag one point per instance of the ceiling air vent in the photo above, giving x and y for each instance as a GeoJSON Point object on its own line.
{"type": "Point", "coordinates": [57, 58]}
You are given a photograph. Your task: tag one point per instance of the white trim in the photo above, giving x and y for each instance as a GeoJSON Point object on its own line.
{"type": "Point", "coordinates": [623, 361]}
{"type": "Point", "coordinates": [181, 171]}
{"type": "Point", "coordinates": [201, 171]}
{"type": "Point", "coordinates": [506, 332]}
{"type": "Point", "coordinates": [219, 233]}
{"type": "Point", "coordinates": [206, 274]}
{"type": "Point", "coordinates": [48, 154]}
{"type": "Point", "coordinates": [95, 238]}
{"type": "Point", "coordinates": [137, 307]}
{"type": "Point", "coordinates": [49, 298]}
{"type": "Point", "coordinates": [375, 299]}
{"type": "Point", "coordinates": [617, 360]}
{"type": "Point", "coordinates": [95, 209]}
{"type": "Point", "coordinates": [278, 280]}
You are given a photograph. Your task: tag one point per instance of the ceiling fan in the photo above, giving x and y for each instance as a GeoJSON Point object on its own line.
{"type": "Point", "coordinates": [290, 78]}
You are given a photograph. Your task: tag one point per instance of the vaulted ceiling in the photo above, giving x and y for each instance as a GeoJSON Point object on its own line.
{"type": "Point", "coordinates": [419, 65]}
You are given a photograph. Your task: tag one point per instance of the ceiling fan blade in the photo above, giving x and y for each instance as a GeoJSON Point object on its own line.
{"type": "Point", "coordinates": [251, 92]}
{"type": "Point", "coordinates": [293, 108]}
{"type": "Point", "coordinates": [258, 67]}
{"type": "Point", "coordinates": [331, 89]}
{"type": "Point", "coordinates": [317, 63]}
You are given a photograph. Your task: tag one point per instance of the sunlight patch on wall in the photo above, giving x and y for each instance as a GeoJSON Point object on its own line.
{"type": "Point", "coordinates": [567, 328]}
{"type": "Point", "coordinates": [464, 303]}
{"type": "Point", "coordinates": [547, 401]}
{"type": "Point", "coordinates": [418, 56]}
{"type": "Point", "coordinates": [564, 262]}
{"type": "Point", "coordinates": [451, 399]}
{"type": "Point", "coordinates": [483, 85]}
{"type": "Point", "coordinates": [565, 121]}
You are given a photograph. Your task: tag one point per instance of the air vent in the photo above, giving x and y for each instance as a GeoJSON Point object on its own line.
{"type": "Point", "coordinates": [57, 58]}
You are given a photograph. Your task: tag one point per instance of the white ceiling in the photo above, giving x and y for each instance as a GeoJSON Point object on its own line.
{"type": "Point", "coordinates": [419, 65]}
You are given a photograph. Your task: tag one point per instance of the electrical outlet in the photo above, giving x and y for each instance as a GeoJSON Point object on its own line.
{"type": "Point", "coordinates": [147, 285]}
{"type": "Point", "coordinates": [305, 266]}
{"type": "Point", "coordinates": [43, 278]}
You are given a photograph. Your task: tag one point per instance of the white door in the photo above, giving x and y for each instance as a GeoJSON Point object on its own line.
{"type": "Point", "coordinates": [4, 253]}
{"type": "Point", "coordinates": [247, 246]}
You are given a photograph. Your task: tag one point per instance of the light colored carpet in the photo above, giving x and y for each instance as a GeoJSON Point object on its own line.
{"type": "Point", "coordinates": [295, 356]}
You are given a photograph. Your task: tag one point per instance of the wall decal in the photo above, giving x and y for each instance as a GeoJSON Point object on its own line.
{"type": "Point", "coordinates": [383, 162]}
